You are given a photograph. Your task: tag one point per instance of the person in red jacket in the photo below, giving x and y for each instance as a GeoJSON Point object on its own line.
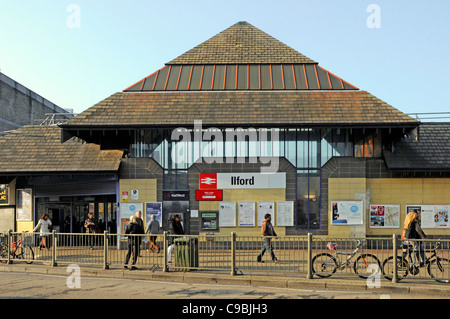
{"type": "Point", "coordinates": [267, 232]}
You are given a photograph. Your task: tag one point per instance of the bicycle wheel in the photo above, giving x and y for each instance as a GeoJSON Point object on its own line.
{"type": "Point", "coordinates": [388, 268]}
{"type": "Point", "coordinates": [26, 253]}
{"type": "Point", "coordinates": [324, 265]}
{"type": "Point", "coordinates": [439, 269]}
{"type": "Point", "coordinates": [3, 253]}
{"type": "Point", "coordinates": [366, 265]}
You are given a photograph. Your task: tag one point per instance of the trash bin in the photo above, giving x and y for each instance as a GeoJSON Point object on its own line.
{"type": "Point", "coordinates": [186, 252]}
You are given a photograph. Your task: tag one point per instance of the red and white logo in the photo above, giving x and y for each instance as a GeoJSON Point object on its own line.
{"type": "Point", "coordinates": [208, 180]}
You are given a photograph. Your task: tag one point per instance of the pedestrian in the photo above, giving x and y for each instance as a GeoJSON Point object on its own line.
{"type": "Point", "coordinates": [412, 230]}
{"type": "Point", "coordinates": [90, 226]}
{"type": "Point", "coordinates": [153, 229]}
{"type": "Point", "coordinates": [140, 222]}
{"type": "Point", "coordinates": [44, 226]}
{"type": "Point", "coordinates": [132, 228]}
{"type": "Point", "coordinates": [175, 228]}
{"type": "Point", "coordinates": [267, 232]}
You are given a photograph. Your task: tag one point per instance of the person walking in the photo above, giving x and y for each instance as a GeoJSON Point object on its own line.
{"type": "Point", "coordinates": [175, 228]}
{"type": "Point", "coordinates": [132, 228]}
{"type": "Point", "coordinates": [267, 232]}
{"type": "Point", "coordinates": [412, 230]}
{"type": "Point", "coordinates": [153, 229]}
{"type": "Point", "coordinates": [44, 226]}
{"type": "Point", "coordinates": [89, 225]}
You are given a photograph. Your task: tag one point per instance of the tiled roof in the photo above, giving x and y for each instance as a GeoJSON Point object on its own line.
{"type": "Point", "coordinates": [38, 149]}
{"type": "Point", "coordinates": [241, 43]}
{"type": "Point", "coordinates": [245, 108]}
{"type": "Point", "coordinates": [430, 152]}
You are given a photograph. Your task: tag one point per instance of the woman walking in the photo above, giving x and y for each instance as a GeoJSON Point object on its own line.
{"type": "Point", "coordinates": [44, 226]}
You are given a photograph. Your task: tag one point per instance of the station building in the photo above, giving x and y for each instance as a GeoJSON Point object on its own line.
{"type": "Point", "coordinates": [239, 126]}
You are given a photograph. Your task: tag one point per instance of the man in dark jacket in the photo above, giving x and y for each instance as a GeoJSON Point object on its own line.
{"type": "Point", "coordinates": [132, 228]}
{"type": "Point", "coordinates": [267, 232]}
{"type": "Point", "coordinates": [175, 228]}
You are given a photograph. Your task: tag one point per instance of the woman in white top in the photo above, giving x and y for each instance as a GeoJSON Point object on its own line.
{"type": "Point", "coordinates": [44, 225]}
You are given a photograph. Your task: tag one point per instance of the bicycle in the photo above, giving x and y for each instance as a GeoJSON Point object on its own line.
{"type": "Point", "coordinates": [20, 250]}
{"type": "Point", "coordinates": [324, 264]}
{"type": "Point", "coordinates": [438, 268]}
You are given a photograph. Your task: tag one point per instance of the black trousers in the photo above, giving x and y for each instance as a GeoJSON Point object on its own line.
{"type": "Point", "coordinates": [133, 248]}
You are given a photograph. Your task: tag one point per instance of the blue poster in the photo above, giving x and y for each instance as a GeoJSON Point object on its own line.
{"type": "Point", "coordinates": [153, 209]}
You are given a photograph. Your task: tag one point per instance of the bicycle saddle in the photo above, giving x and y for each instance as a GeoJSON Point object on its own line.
{"type": "Point", "coordinates": [331, 246]}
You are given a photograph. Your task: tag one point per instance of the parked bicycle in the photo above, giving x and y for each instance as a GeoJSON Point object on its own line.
{"type": "Point", "coordinates": [408, 262]}
{"type": "Point", "coordinates": [19, 250]}
{"type": "Point", "coordinates": [326, 264]}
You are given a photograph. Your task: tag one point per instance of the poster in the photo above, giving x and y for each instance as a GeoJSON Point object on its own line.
{"type": "Point", "coordinates": [246, 214]}
{"type": "Point", "coordinates": [126, 211]}
{"type": "Point", "coordinates": [384, 216]}
{"type": "Point", "coordinates": [346, 212]}
{"type": "Point", "coordinates": [153, 209]}
{"type": "Point", "coordinates": [266, 208]}
{"type": "Point", "coordinates": [432, 216]}
{"type": "Point", "coordinates": [285, 213]}
{"type": "Point", "coordinates": [227, 214]}
{"type": "Point", "coordinates": [24, 202]}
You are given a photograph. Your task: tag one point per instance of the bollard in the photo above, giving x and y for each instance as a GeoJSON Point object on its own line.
{"type": "Point", "coordinates": [309, 274]}
{"type": "Point", "coordinates": [394, 259]}
{"type": "Point", "coordinates": [233, 253]}
{"type": "Point", "coordinates": [105, 250]}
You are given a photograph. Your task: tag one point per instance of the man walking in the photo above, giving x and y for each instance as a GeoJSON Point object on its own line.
{"type": "Point", "coordinates": [153, 229]}
{"type": "Point", "coordinates": [132, 228]}
{"type": "Point", "coordinates": [141, 230]}
{"type": "Point", "coordinates": [267, 232]}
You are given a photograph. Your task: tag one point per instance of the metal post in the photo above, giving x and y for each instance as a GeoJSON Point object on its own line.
{"type": "Point", "coordinates": [54, 248]}
{"type": "Point", "coordinates": [309, 274]}
{"type": "Point", "coordinates": [165, 268]}
{"type": "Point", "coordinates": [394, 259]}
{"type": "Point", "coordinates": [233, 253]}
{"type": "Point", "coordinates": [9, 246]}
{"type": "Point", "coordinates": [105, 250]}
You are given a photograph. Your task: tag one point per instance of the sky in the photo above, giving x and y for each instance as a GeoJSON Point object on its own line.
{"type": "Point", "coordinates": [76, 53]}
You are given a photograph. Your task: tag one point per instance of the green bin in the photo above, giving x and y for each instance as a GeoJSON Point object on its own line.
{"type": "Point", "coordinates": [186, 252]}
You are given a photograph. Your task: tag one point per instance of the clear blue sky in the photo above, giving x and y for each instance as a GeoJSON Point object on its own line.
{"type": "Point", "coordinates": [406, 62]}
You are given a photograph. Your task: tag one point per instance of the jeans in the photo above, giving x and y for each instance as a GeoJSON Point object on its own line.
{"type": "Point", "coordinates": [267, 245]}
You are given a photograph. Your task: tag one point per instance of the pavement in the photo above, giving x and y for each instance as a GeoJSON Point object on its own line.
{"type": "Point", "coordinates": [279, 280]}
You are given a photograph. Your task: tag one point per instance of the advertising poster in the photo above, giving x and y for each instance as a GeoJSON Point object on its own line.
{"type": "Point", "coordinates": [285, 213]}
{"type": "Point", "coordinates": [227, 214]}
{"type": "Point", "coordinates": [153, 209]}
{"type": "Point", "coordinates": [346, 212]}
{"type": "Point", "coordinates": [432, 216]}
{"type": "Point", "coordinates": [246, 214]}
{"type": "Point", "coordinates": [266, 208]}
{"type": "Point", "coordinates": [24, 202]}
{"type": "Point", "coordinates": [384, 216]}
{"type": "Point", "coordinates": [126, 211]}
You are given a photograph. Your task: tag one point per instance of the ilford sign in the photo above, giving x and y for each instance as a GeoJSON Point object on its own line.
{"type": "Point", "coordinates": [242, 180]}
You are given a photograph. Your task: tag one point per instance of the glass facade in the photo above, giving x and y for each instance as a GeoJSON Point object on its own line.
{"type": "Point", "coordinates": [307, 149]}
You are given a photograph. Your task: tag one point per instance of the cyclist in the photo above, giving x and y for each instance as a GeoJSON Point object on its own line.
{"type": "Point", "coordinates": [412, 230]}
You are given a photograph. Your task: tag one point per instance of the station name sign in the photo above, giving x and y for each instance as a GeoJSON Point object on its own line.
{"type": "Point", "coordinates": [242, 180]}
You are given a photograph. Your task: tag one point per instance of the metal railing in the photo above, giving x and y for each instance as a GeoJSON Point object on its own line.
{"type": "Point", "coordinates": [307, 256]}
